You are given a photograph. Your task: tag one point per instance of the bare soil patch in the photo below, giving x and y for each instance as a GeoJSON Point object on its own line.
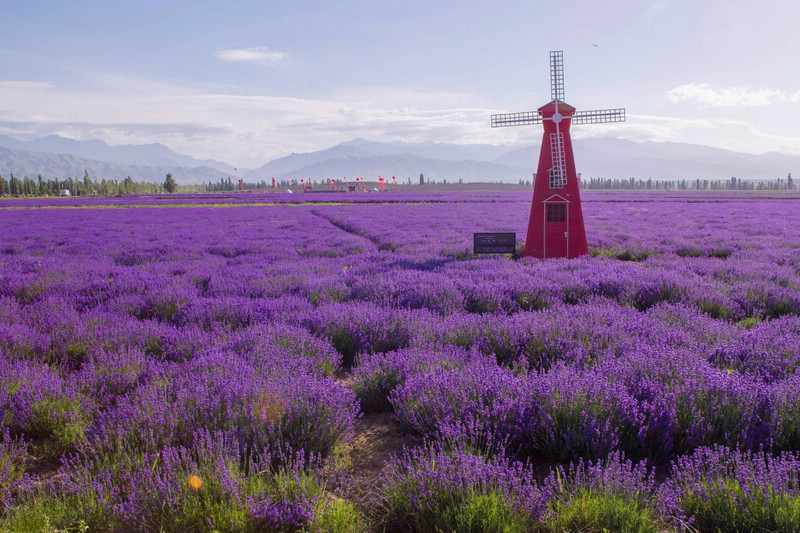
{"type": "Point", "coordinates": [378, 436]}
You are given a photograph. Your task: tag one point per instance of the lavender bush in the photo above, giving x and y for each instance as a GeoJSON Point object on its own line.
{"type": "Point", "coordinates": [476, 403]}
{"type": "Point", "coordinates": [377, 375]}
{"type": "Point", "coordinates": [729, 490]}
{"type": "Point", "coordinates": [612, 494]}
{"type": "Point", "coordinates": [430, 489]}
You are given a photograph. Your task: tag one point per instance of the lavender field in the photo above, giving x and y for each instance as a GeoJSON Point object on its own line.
{"type": "Point", "coordinates": [209, 363]}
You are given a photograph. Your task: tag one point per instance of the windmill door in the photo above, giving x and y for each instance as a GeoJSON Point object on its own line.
{"type": "Point", "coordinates": [556, 227]}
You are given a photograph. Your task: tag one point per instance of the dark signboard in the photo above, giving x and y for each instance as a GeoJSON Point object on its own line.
{"type": "Point", "coordinates": [494, 243]}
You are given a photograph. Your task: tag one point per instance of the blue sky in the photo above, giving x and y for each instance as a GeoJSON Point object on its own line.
{"type": "Point", "coordinates": [245, 82]}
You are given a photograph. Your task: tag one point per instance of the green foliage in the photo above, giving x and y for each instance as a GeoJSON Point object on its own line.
{"type": "Point", "coordinates": [333, 515]}
{"type": "Point", "coordinates": [302, 346]}
{"type": "Point", "coordinates": [459, 254]}
{"type": "Point", "coordinates": [720, 253]}
{"type": "Point", "coordinates": [688, 251]}
{"type": "Point", "coordinates": [467, 512]}
{"type": "Point", "coordinates": [388, 246]}
{"type": "Point", "coordinates": [373, 394]}
{"type": "Point", "coordinates": [43, 513]}
{"type": "Point", "coordinates": [77, 350]}
{"type": "Point", "coordinates": [13, 461]}
{"type": "Point", "coordinates": [454, 490]}
{"type": "Point", "coordinates": [749, 322]}
{"type": "Point", "coordinates": [63, 419]}
{"type": "Point", "coordinates": [714, 309]}
{"type": "Point", "coordinates": [328, 294]}
{"type": "Point", "coordinates": [480, 304]}
{"type": "Point", "coordinates": [621, 253]}
{"type": "Point", "coordinates": [488, 513]}
{"type": "Point", "coordinates": [727, 506]}
{"type": "Point", "coordinates": [602, 512]}
{"type": "Point", "coordinates": [533, 301]}
{"type": "Point", "coordinates": [786, 428]}
{"type": "Point", "coordinates": [208, 505]}
{"type": "Point", "coordinates": [345, 344]}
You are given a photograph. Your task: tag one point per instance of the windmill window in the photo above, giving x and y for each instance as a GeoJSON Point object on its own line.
{"type": "Point", "coordinates": [556, 212]}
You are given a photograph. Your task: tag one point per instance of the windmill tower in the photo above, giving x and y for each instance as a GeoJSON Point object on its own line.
{"type": "Point", "coordinates": [555, 226]}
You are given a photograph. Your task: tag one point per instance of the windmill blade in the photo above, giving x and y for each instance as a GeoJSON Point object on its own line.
{"type": "Point", "coordinates": [599, 116]}
{"type": "Point", "coordinates": [516, 119]}
{"type": "Point", "coordinates": [557, 75]}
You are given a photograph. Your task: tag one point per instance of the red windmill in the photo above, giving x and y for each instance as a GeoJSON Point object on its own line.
{"type": "Point", "coordinates": [555, 226]}
{"type": "Point", "coordinates": [383, 185]}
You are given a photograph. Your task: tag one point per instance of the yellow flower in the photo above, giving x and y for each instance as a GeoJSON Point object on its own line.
{"type": "Point", "coordinates": [195, 482]}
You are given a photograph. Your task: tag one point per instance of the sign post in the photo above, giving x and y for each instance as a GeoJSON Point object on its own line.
{"type": "Point", "coordinates": [495, 243]}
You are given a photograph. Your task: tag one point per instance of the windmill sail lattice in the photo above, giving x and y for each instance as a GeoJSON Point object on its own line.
{"type": "Point", "coordinates": [557, 75]}
{"type": "Point", "coordinates": [558, 173]}
{"type": "Point", "coordinates": [555, 228]}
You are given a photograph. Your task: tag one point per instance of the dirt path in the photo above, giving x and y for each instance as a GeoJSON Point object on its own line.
{"type": "Point", "coordinates": [378, 436]}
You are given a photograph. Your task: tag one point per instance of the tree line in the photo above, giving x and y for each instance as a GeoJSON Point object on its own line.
{"type": "Point", "coordinates": [733, 184]}
{"type": "Point", "coordinates": [230, 185]}
{"type": "Point", "coordinates": [85, 187]}
{"type": "Point", "coordinates": [111, 187]}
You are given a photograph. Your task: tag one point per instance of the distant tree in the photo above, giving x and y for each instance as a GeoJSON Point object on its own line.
{"type": "Point", "coordinates": [15, 186]}
{"type": "Point", "coordinates": [170, 185]}
{"type": "Point", "coordinates": [421, 179]}
{"type": "Point", "coordinates": [28, 186]}
{"type": "Point", "coordinates": [88, 185]}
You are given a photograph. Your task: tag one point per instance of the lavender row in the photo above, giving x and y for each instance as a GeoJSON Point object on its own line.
{"type": "Point", "coordinates": [713, 489]}
{"type": "Point", "coordinates": [653, 402]}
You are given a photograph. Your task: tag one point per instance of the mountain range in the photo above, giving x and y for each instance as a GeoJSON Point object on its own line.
{"type": "Point", "coordinates": [598, 157]}
{"type": "Point", "coordinates": [128, 154]}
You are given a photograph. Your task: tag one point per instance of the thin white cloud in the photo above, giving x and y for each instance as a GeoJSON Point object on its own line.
{"type": "Point", "coordinates": [14, 85]}
{"type": "Point", "coordinates": [260, 54]}
{"type": "Point", "coordinates": [705, 95]}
